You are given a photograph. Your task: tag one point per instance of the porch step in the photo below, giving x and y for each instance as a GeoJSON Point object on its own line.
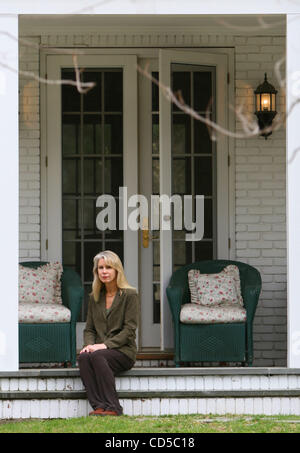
{"type": "Point", "coordinates": [60, 394]}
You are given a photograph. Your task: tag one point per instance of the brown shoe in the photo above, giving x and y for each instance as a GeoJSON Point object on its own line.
{"type": "Point", "coordinates": [104, 413]}
{"type": "Point", "coordinates": [97, 411]}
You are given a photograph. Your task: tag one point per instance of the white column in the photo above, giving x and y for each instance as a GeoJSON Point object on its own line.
{"type": "Point", "coordinates": [9, 193]}
{"type": "Point", "coordinates": [293, 188]}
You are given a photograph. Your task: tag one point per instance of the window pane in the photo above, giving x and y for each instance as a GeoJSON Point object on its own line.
{"type": "Point", "coordinates": [113, 175]}
{"type": "Point", "coordinates": [93, 176]}
{"type": "Point", "coordinates": [155, 134]}
{"type": "Point", "coordinates": [202, 90]}
{"type": "Point", "coordinates": [181, 130]}
{"type": "Point", "coordinates": [155, 176]}
{"type": "Point", "coordinates": [155, 93]}
{"type": "Point", "coordinates": [182, 253]}
{"type": "Point", "coordinates": [113, 134]}
{"type": "Point", "coordinates": [70, 94]}
{"type": "Point", "coordinates": [181, 176]}
{"type": "Point", "coordinates": [89, 218]}
{"type": "Point", "coordinates": [72, 214]}
{"type": "Point", "coordinates": [70, 134]}
{"type": "Point", "coordinates": [208, 218]}
{"type": "Point", "coordinates": [116, 247]}
{"type": "Point", "coordinates": [181, 85]}
{"type": "Point", "coordinates": [72, 255]}
{"type": "Point", "coordinates": [203, 175]}
{"type": "Point", "coordinates": [202, 141]}
{"type": "Point", "coordinates": [90, 251]}
{"type": "Point", "coordinates": [203, 250]}
{"type": "Point", "coordinates": [92, 99]}
{"type": "Point", "coordinates": [113, 91]}
{"type": "Point", "coordinates": [71, 176]}
{"type": "Point", "coordinates": [92, 141]}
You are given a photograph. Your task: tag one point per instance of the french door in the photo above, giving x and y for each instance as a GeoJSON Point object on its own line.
{"type": "Point", "coordinates": [184, 160]}
{"type": "Point", "coordinates": [91, 150]}
{"type": "Point", "coordinates": [126, 133]}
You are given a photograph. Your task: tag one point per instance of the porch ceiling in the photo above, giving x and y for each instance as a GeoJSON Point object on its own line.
{"type": "Point", "coordinates": [228, 24]}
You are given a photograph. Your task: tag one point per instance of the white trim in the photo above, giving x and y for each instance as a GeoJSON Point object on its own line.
{"type": "Point", "coordinates": [149, 332]}
{"type": "Point", "coordinates": [138, 28]}
{"type": "Point", "coordinates": [148, 7]}
{"type": "Point", "coordinates": [9, 195]}
{"type": "Point", "coordinates": [43, 144]}
{"type": "Point", "coordinates": [293, 191]}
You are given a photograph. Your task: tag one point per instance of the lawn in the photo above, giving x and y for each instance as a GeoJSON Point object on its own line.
{"type": "Point", "coordinates": [162, 424]}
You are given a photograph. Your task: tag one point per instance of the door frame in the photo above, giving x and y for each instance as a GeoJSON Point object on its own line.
{"type": "Point", "coordinates": [139, 52]}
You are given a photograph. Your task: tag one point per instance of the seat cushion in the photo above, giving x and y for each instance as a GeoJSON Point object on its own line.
{"type": "Point", "coordinates": [43, 313]}
{"type": "Point", "coordinates": [215, 289]}
{"type": "Point", "coordinates": [201, 314]}
{"type": "Point", "coordinates": [41, 285]}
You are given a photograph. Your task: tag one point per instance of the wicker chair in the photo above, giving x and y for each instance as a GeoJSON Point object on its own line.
{"type": "Point", "coordinates": [53, 342]}
{"type": "Point", "coordinates": [230, 342]}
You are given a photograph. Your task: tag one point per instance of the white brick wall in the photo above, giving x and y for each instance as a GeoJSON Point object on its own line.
{"type": "Point", "coordinates": [29, 154]}
{"type": "Point", "coordinates": [260, 200]}
{"type": "Point", "coordinates": [260, 173]}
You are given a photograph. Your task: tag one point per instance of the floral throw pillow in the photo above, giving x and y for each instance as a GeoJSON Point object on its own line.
{"type": "Point", "coordinates": [41, 285]}
{"type": "Point", "coordinates": [214, 289]}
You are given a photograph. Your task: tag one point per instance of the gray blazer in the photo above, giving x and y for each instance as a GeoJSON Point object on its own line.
{"type": "Point", "coordinates": [115, 328]}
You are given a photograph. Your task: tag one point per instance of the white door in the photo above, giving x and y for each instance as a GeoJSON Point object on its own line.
{"type": "Point", "coordinates": [177, 156]}
{"type": "Point", "coordinates": [90, 150]}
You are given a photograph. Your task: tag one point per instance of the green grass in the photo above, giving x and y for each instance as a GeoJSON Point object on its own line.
{"type": "Point", "coordinates": [162, 424]}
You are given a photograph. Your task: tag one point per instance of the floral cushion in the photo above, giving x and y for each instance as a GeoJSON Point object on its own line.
{"type": "Point", "coordinates": [215, 289]}
{"type": "Point", "coordinates": [43, 313]}
{"type": "Point", "coordinates": [41, 285]}
{"type": "Point", "coordinates": [221, 314]}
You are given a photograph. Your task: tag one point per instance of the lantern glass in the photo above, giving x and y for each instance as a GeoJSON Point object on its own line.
{"type": "Point", "coordinates": [265, 102]}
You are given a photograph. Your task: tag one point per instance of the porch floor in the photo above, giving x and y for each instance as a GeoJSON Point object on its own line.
{"type": "Point", "coordinates": [59, 393]}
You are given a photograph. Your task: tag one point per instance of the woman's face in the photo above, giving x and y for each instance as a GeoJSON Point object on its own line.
{"type": "Point", "coordinates": [106, 273]}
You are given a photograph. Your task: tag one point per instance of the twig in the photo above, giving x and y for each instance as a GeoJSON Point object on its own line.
{"type": "Point", "coordinates": [82, 87]}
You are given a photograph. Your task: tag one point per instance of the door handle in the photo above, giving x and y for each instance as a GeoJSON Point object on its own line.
{"type": "Point", "coordinates": [145, 229]}
{"type": "Point", "coordinates": [147, 236]}
{"type": "Point", "coordinates": [145, 239]}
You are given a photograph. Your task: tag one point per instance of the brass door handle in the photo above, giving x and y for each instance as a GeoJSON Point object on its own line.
{"type": "Point", "coordinates": [145, 239]}
{"type": "Point", "coordinates": [145, 228]}
{"type": "Point", "coordinates": [147, 236]}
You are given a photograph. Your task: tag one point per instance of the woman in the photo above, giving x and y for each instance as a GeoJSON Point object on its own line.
{"type": "Point", "coordinates": [109, 335]}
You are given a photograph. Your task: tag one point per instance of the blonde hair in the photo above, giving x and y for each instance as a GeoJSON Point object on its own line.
{"type": "Point", "coordinates": [114, 261]}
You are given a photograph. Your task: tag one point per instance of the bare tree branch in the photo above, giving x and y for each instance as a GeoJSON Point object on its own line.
{"type": "Point", "coordinates": [82, 87]}
{"type": "Point", "coordinates": [251, 130]}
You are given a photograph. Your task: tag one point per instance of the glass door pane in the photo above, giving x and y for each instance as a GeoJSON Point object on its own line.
{"type": "Point", "coordinates": [92, 165]}
{"type": "Point", "coordinates": [194, 157]}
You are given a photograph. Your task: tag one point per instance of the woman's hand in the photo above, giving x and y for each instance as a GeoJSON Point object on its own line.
{"type": "Point", "coordinates": [93, 347]}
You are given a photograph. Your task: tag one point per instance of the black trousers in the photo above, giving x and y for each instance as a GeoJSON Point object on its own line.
{"type": "Point", "coordinates": [97, 371]}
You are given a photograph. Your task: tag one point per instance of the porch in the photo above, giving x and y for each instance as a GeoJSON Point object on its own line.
{"type": "Point", "coordinates": [262, 211]}
{"type": "Point", "coordinates": [59, 393]}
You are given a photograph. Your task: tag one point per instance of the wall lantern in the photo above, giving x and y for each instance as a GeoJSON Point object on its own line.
{"type": "Point", "coordinates": [265, 103]}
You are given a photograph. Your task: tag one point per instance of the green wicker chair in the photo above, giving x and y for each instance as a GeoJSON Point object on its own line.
{"type": "Point", "coordinates": [53, 342]}
{"type": "Point", "coordinates": [230, 342]}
